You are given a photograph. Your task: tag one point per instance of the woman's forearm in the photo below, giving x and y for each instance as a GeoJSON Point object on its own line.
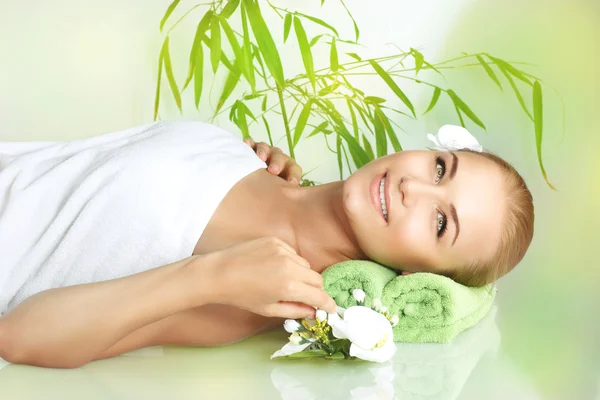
{"type": "Point", "coordinates": [67, 327]}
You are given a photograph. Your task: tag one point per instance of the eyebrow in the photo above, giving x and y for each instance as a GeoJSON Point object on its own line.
{"type": "Point", "coordinates": [452, 208]}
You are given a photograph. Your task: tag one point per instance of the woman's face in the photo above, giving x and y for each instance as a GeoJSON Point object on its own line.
{"type": "Point", "coordinates": [444, 209]}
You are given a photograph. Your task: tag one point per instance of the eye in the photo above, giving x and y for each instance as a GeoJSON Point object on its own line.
{"type": "Point", "coordinates": [441, 224]}
{"type": "Point", "coordinates": [440, 169]}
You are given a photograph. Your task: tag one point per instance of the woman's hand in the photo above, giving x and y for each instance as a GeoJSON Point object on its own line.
{"type": "Point", "coordinates": [278, 162]}
{"type": "Point", "coordinates": [267, 277]}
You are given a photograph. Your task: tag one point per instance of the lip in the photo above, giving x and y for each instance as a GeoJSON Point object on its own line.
{"type": "Point", "coordinates": [374, 191]}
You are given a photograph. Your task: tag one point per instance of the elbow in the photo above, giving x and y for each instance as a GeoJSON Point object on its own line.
{"type": "Point", "coordinates": [15, 351]}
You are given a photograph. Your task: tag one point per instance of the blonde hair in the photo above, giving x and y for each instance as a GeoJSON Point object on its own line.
{"type": "Point", "coordinates": [515, 237]}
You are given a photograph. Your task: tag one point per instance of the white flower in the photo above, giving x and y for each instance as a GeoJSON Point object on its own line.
{"type": "Point", "coordinates": [452, 137]}
{"type": "Point", "coordinates": [321, 315]}
{"type": "Point", "coordinates": [291, 325]}
{"type": "Point", "coordinates": [359, 295]}
{"type": "Point", "coordinates": [382, 309]}
{"type": "Point", "coordinates": [377, 304]}
{"type": "Point", "coordinates": [295, 338]}
{"type": "Point", "coordinates": [340, 311]}
{"type": "Point", "coordinates": [291, 348]}
{"type": "Point", "coordinates": [369, 332]}
{"type": "Point", "coordinates": [395, 320]}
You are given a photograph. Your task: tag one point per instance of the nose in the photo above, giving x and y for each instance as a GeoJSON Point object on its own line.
{"type": "Point", "coordinates": [414, 190]}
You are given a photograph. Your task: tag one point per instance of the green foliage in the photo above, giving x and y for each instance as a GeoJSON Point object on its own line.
{"type": "Point", "coordinates": [327, 101]}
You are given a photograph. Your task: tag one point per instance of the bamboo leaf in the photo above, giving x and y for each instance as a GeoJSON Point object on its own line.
{"type": "Point", "coordinates": [265, 41]}
{"type": "Point", "coordinates": [517, 93]}
{"type": "Point", "coordinates": [395, 88]}
{"type": "Point", "coordinates": [202, 27]}
{"type": "Point", "coordinates": [235, 46]}
{"type": "Point", "coordinates": [198, 74]}
{"type": "Point", "coordinates": [168, 13]}
{"type": "Point", "coordinates": [158, 81]}
{"type": "Point", "coordinates": [230, 8]}
{"type": "Point", "coordinates": [320, 128]}
{"type": "Point", "coordinates": [215, 40]}
{"type": "Point", "coordinates": [169, 73]}
{"type": "Point", "coordinates": [368, 147]}
{"type": "Point", "coordinates": [253, 96]}
{"type": "Point", "coordinates": [434, 99]}
{"type": "Point", "coordinates": [287, 25]}
{"type": "Point", "coordinates": [353, 117]}
{"type": "Point", "coordinates": [389, 129]}
{"type": "Point", "coordinates": [268, 128]}
{"type": "Point", "coordinates": [241, 122]}
{"type": "Point", "coordinates": [320, 22]}
{"type": "Point", "coordinates": [329, 89]}
{"type": "Point", "coordinates": [314, 40]}
{"type": "Point", "coordinates": [333, 57]}
{"type": "Point", "coordinates": [230, 83]}
{"type": "Point", "coordinates": [489, 70]}
{"type": "Point", "coordinates": [355, 56]}
{"type": "Point", "coordinates": [307, 58]}
{"type": "Point", "coordinates": [419, 59]}
{"type": "Point", "coordinates": [263, 106]}
{"type": "Point", "coordinates": [504, 66]}
{"type": "Point", "coordinates": [247, 59]}
{"type": "Point", "coordinates": [538, 121]}
{"type": "Point", "coordinates": [374, 100]}
{"type": "Point", "coordinates": [302, 120]}
{"type": "Point", "coordinates": [462, 106]}
{"type": "Point", "coordinates": [380, 139]}
{"type": "Point", "coordinates": [356, 30]}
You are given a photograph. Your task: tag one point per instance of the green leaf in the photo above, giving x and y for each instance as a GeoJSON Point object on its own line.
{"type": "Point", "coordinates": [198, 74]}
{"type": "Point", "coordinates": [242, 123]}
{"type": "Point", "coordinates": [329, 89]}
{"type": "Point", "coordinates": [247, 59]}
{"type": "Point", "coordinates": [314, 40]}
{"type": "Point", "coordinates": [356, 30]}
{"type": "Point", "coordinates": [517, 93]}
{"type": "Point", "coordinates": [320, 22]}
{"type": "Point", "coordinates": [389, 129]}
{"type": "Point", "coordinates": [462, 106]}
{"type": "Point", "coordinates": [230, 83]}
{"type": "Point", "coordinates": [215, 40]}
{"type": "Point", "coordinates": [308, 353]}
{"type": "Point", "coordinates": [368, 147]}
{"type": "Point", "coordinates": [355, 56]}
{"type": "Point", "coordinates": [320, 128]}
{"type": "Point", "coordinates": [307, 58]}
{"type": "Point", "coordinates": [265, 41]}
{"type": "Point", "coordinates": [287, 24]}
{"type": "Point", "coordinates": [419, 59]}
{"type": "Point", "coordinates": [538, 122]}
{"type": "Point", "coordinates": [333, 57]}
{"type": "Point", "coordinates": [230, 8]}
{"type": "Point", "coordinates": [158, 81]}
{"type": "Point", "coordinates": [335, 356]}
{"type": "Point", "coordinates": [168, 14]}
{"type": "Point", "coordinates": [268, 128]}
{"type": "Point", "coordinates": [203, 26]}
{"type": "Point", "coordinates": [263, 106]}
{"type": "Point", "coordinates": [353, 116]}
{"type": "Point", "coordinates": [235, 46]}
{"type": "Point", "coordinates": [504, 66]}
{"type": "Point", "coordinates": [302, 120]}
{"type": "Point", "coordinates": [380, 139]}
{"type": "Point", "coordinates": [169, 73]}
{"type": "Point", "coordinates": [374, 100]}
{"type": "Point", "coordinates": [395, 88]}
{"type": "Point", "coordinates": [434, 99]}
{"type": "Point", "coordinates": [489, 70]}
{"type": "Point", "coordinates": [253, 96]}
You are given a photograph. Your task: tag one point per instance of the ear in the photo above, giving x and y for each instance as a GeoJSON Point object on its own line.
{"type": "Point", "coordinates": [405, 273]}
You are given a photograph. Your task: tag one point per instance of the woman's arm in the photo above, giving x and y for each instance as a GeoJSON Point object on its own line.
{"type": "Point", "coordinates": [66, 327]}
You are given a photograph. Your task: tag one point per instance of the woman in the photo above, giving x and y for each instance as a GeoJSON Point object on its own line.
{"type": "Point", "coordinates": [250, 245]}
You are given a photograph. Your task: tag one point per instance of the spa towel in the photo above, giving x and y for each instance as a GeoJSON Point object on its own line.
{"type": "Point", "coordinates": [110, 205]}
{"type": "Point", "coordinates": [432, 308]}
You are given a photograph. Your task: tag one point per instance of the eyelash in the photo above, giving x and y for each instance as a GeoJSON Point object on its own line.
{"type": "Point", "coordinates": [444, 225]}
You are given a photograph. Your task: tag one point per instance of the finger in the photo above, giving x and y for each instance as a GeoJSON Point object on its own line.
{"type": "Point", "coordinates": [294, 172]}
{"type": "Point", "coordinates": [310, 277]}
{"type": "Point", "coordinates": [292, 310]}
{"type": "Point", "coordinates": [263, 150]}
{"type": "Point", "coordinates": [277, 161]}
{"type": "Point", "coordinates": [283, 244]}
{"type": "Point", "coordinates": [311, 296]}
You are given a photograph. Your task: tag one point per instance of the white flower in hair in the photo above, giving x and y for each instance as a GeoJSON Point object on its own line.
{"type": "Point", "coordinates": [452, 137]}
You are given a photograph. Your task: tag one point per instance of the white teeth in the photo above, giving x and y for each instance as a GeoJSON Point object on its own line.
{"type": "Point", "coordinates": [382, 198]}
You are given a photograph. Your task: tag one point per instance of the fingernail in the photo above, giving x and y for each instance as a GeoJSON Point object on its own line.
{"type": "Point", "coordinates": [294, 181]}
{"type": "Point", "coordinates": [274, 168]}
{"type": "Point", "coordinates": [262, 154]}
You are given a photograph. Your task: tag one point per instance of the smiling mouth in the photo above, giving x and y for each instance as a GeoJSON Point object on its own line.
{"type": "Point", "coordinates": [382, 198]}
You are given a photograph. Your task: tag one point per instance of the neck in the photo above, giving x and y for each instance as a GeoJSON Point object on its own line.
{"type": "Point", "coordinates": [317, 225]}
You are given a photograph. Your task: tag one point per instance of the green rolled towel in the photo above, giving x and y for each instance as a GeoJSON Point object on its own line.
{"type": "Point", "coordinates": [432, 308]}
{"type": "Point", "coordinates": [342, 278]}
